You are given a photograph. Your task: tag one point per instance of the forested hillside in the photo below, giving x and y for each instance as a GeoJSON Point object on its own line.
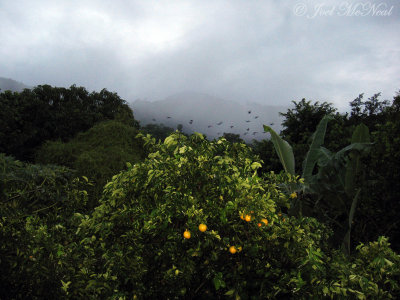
{"type": "Point", "coordinates": [31, 117]}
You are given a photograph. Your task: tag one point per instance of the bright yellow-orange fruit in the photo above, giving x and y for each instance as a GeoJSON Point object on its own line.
{"type": "Point", "coordinates": [247, 218]}
{"type": "Point", "coordinates": [232, 249]}
{"type": "Point", "coordinates": [265, 221]}
{"type": "Point", "coordinates": [202, 227]}
{"type": "Point", "coordinates": [259, 224]}
{"type": "Point", "coordinates": [242, 216]}
{"type": "Point", "coordinates": [186, 234]}
{"type": "Point", "coordinates": [293, 195]}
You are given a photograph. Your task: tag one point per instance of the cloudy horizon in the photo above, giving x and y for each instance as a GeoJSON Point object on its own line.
{"type": "Point", "coordinates": [246, 51]}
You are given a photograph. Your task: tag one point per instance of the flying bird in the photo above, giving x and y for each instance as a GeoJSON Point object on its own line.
{"type": "Point", "coordinates": [255, 132]}
{"type": "Point", "coordinates": [248, 129]}
{"type": "Point", "coordinates": [191, 122]}
{"type": "Point", "coordinates": [249, 111]}
{"type": "Point", "coordinates": [220, 123]}
{"type": "Point", "coordinates": [271, 124]}
{"type": "Point", "coordinates": [247, 121]}
{"type": "Point", "coordinates": [231, 126]}
{"type": "Point", "coordinates": [256, 117]}
{"type": "Point", "coordinates": [209, 126]}
{"type": "Point", "coordinates": [168, 117]}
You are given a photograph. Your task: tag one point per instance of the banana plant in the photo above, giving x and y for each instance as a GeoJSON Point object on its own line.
{"type": "Point", "coordinates": [334, 184]}
{"type": "Point", "coordinates": [286, 156]}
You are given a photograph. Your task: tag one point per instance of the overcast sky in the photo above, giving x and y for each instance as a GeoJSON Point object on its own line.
{"type": "Point", "coordinates": [271, 52]}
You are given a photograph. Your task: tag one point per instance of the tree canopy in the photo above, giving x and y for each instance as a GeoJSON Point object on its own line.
{"type": "Point", "coordinates": [33, 116]}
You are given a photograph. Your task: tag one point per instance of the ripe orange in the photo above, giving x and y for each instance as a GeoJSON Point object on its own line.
{"type": "Point", "coordinates": [186, 234]}
{"type": "Point", "coordinates": [202, 227]}
{"type": "Point", "coordinates": [242, 216]}
{"type": "Point", "coordinates": [232, 249]}
{"type": "Point", "coordinates": [247, 218]}
{"type": "Point", "coordinates": [265, 221]}
{"type": "Point", "coordinates": [259, 224]}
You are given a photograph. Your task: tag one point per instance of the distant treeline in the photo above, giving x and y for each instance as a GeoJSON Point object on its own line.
{"type": "Point", "coordinates": [33, 116]}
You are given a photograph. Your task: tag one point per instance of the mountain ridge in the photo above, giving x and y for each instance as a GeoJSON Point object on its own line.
{"type": "Point", "coordinates": [207, 112]}
{"type": "Point", "coordinates": [12, 85]}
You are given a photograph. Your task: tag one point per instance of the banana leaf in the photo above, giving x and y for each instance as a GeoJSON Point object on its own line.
{"type": "Point", "coordinates": [283, 149]}
{"type": "Point", "coordinates": [360, 136]}
{"type": "Point", "coordinates": [313, 153]}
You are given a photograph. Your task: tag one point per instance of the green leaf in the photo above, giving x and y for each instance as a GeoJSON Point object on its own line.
{"type": "Point", "coordinates": [256, 165]}
{"type": "Point", "coordinates": [346, 240]}
{"type": "Point", "coordinates": [313, 152]}
{"type": "Point", "coordinates": [360, 134]}
{"type": "Point", "coordinates": [353, 207]}
{"type": "Point", "coordinates": [218, 281]}
{"type": "Point", "coordinates": [65, 286]}
{"type": "Point", "coordinates": [283, 149]}
{"type": "Point", "coordinates": [324, 156]}
{"type": "Point", "coordinates": [360, 137]}
{"type": "Point", "coordinates": [170, 141]}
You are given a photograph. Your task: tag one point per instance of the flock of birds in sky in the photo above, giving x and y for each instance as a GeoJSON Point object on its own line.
{"type": "Point", "coordinates": [231, 126]}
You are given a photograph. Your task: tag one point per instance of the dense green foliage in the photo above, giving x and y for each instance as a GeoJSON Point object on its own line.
{"type": "Point", "coordinates": [266, 151]}
{"type": "Point", "coordinates": [332, 192]}
{"type": "Point", "coordinates": [232, 137]}
{"type": "Point", "coordinates": [98, 153]}
{"type": "Point", "coordinates": [132, 245]}
{"type": "Point", "coordinates": [158, 131]}
{"type": "Point", "coordinates": [378, 202]}
{"type": "Point", "coordinates": [300, 123]}
{"type": "Point", "coordinates": [31, 117]}
{"type": "Point", "coordinates": [37, 203]}
{"type": "Point", "coordinates": [380, 212]}
{"type": "Point", "coordinates": [111, 221]}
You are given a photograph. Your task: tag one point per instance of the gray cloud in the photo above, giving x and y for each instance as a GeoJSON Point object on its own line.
{"type": "Point", "coordinates": [256, 51]}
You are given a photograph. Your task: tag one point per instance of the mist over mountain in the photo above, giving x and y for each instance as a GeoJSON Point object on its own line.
{"type": "Point", "coordinates": [12, 85]}
{"type": "Point", "coordinates": [211, 116]}
{"type": "Point", "coordinates": [198, 112]}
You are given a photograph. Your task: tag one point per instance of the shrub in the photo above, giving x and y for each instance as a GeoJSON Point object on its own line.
{"type": "Point", "coordinates": [98, 153]}
{"type": "Point", "coordinates": [135, 242]}
{"type": "Point", "coordinates": [36, 232]}
{"type": "Point", "coordinates": [372, 273]}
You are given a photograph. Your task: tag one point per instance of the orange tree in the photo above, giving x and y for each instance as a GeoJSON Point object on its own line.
{"type": "Point", "coordinates": [195, 221]}
{"type": "Point", "coordinates": [144, 238]}
{"type": "Point", "coordinates": [191, 221]}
